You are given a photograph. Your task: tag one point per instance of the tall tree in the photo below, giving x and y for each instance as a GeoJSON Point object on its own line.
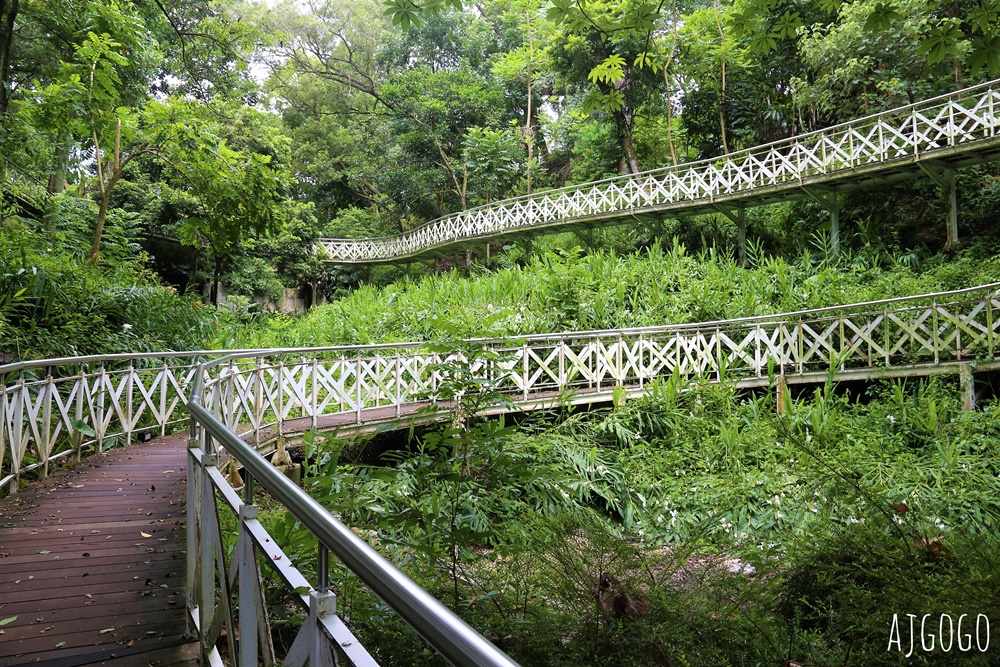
{"type": "Point", "coordinates": [8, 14]}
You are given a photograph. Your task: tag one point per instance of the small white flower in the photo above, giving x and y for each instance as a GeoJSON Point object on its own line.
{"type": "Point", "coordinates": [890, 419]}
{"type": "Point", "coordinates": [126, 327]}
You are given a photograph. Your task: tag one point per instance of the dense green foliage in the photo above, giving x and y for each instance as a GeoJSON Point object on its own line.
{"type": "Point", "coordinates": [753, 538]}
{"type": "Point", "coordinates": [229, 136]}
{"type": "Point", "coordinates": [566, 290]}
{"type": "Point", "coordinates": [151, 149]}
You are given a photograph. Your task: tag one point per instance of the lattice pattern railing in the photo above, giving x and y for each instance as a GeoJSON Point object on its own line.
{"type": "Point", "coordinates": [56, 408]}
{"type": "Point", "coordinates": [928, 330]}
{"type": "Point", "coordinates": [964, 119]}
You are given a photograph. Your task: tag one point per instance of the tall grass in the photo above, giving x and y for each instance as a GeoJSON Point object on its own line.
{"type": "Point", "coordinates": [604, 290]}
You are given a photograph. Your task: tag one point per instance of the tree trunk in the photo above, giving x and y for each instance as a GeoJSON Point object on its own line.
{"type": "Point", "coordinates": [216, 275]}
{"type": "Point", "coordinates": [633, 161]}
{"type": "Point", "coordinates": [102, 216]}
{"type": "Point", "coordinates": [8, 13]}
{"type": "Point", "coordinates": [60, 160]}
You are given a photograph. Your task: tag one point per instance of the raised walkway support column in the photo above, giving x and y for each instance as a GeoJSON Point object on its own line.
{"type": "Point", "coordinates": [946, 181]}
{"type": "Point", "coordinates": [952, 198]}
{"type": "Point", "coordinates": [739, 216]}
{"type": "Point", "coordinates": [828, 200]}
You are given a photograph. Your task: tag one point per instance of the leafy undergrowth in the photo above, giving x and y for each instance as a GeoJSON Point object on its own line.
{"type": "Point", "coordinates": [55, 302]}
{"type": "Point", "coordinates": [569, 291]}
{"type": "Point", "coordinates": [695, 526]}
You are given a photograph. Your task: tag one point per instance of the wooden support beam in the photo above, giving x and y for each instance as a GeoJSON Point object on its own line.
{"type": "Point", "coordinates": [828, 200]}
{"type": "Point", "coordinates": [968, 383]}
{"type": "Point", "coordinates": [781, 394]}
{"type": "Point", "coordinates": [950, 193]}
{"type": "Point", "coordinates": [586, 236]}
{"type": "Point", "coordinates": [739, 216]}
{"type": "Point", "coordinates": [946, 181]}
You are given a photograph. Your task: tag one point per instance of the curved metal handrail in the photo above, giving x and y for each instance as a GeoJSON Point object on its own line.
{"type": "Point", "coordinates": [447, 633]}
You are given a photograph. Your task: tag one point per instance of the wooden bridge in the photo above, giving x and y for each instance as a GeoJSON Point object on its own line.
{"type": "Point", "coordinates": [90, 559]}
{"type": "Point", "coordinates": [933, 137]}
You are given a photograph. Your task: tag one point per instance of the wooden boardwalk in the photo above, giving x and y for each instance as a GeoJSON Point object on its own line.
{"type": "Point", "coordinates": [92, 563]}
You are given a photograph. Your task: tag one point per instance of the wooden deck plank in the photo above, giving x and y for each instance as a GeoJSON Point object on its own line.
{"type": "Point", "coordinates": [75, 560]}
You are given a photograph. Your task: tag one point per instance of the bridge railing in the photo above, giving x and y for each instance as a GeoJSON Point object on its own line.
{"type": "Point", "coordinates": [55, 408]}
{"type": "Point", "coordinates": [212, 595]}
{"type": "Point", "coordinates": [905, 133]}
{"type": "Point", "coordinates": [52, 409]}
{"type": "Point", "coordinates": [258, 394]}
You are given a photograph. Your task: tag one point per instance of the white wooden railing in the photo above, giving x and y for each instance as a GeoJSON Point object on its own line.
{"type": "Point", "coordinates": [58, 408]}
{"type": "Point", "coordinates": [964, 121]}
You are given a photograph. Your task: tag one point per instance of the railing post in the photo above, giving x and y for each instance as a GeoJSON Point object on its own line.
{"type": "Point", "coordinates": [397, 377]}
{"type": "Point", "coordinates": [640, 363]}
{"type": "Point", "coordinates": [164, 387]}
{"type": "Point", "coordinates": [320, 605]}
{"type": "Point", "coordinates": [993, 118]}
{"type": "Point", "coordinates": [227, 407]}
{"type": "Point", "coordinates": [885, 327]}
{"type": "Point", "coordinates": [206, 550]}
{"type": "Point", "coordinates": [280, 391]}
{"type": "Point", "coordinates": [801, 346]}
{"type": "Point", "coordinates": [251, 613]}
{"type": "Point", "coordinates": [757, 358]}
{"type": "Point", "coordinates": [850, 142]}
{"type": "Point", "coordinates": [314, 381]}
{"type": "Point", "coordinates": [843, 361]}
{"type": "Point", "coordinates": [342, 370]}
{"type": "Point", "coordinates": [17, 437]}
{"type": "Point", "coordinates": [620, 369]}
{"type": "Point", "coordinates": [81, 390]}
{"type": "Point", "coordinates": [679, 365]}
{"type": "Point", "coordinates": [357, 386]}
{"type": "Point", "coordinates": [562, 365]}
{"type": "Point", "coordinates": [989, 322]}
{"type": "Point", "coordinates": [258, 400]}
{"type": "Point", "coordinates": [45, 446]}
{"type": "Point", "coordinates": [130, 394]}
{"type": "Point", "coordinates": [193, 580]}
{"type": "Point", "coordinates": [934, 318]}
{"type": "Point", "coordinates": [951, 123]}
{"type": "Point", "coordinates": [102, 378]}
{"type": "Point", "coordinates": [4, 433]}
{"type": "Point", "coordinates": [524, 366]}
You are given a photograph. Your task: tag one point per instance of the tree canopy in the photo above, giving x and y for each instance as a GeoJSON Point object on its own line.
{"type": "Point", "coordinates": [223, 128]}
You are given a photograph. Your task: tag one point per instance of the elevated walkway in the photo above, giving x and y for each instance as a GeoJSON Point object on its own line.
{"type": "Point", "coordinates": [90, 569]}
{"type": "Point", "coordinates": [933, 137]}
{"type": "Point", "coordinates": [92, 563]}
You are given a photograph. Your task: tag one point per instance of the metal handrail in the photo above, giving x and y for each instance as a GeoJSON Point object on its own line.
{"type": "Point", "coordinates": [454, 639]}
{"type": "Point", "coordinates": [685, 166]}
